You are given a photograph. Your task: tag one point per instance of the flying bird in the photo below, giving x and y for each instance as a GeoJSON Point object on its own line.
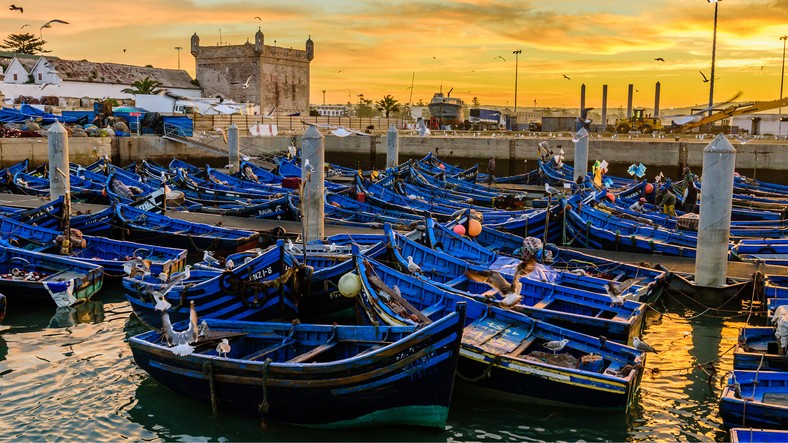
{"type": "Point", "coordinates": [124, 50]}
{"type": "Point", "coordinates": [179, 277]}
{"type": "Point", "coordinates": [640, 345]}
{"type": "Point", "coordinates": [180, 341]}
{"type": "Point", "coordinates": [16, 8]}
{"type": "Point", "coordinates": [223, 348]}
{"type": "Point", "coordinates": [245, 85]}
{"type": "Point", "coordinates": [49, 23]}
{"type": "Point", "coordinates": [566, 77]}
{"type": "Point", "coordinates": [659, 59]}
{"type": "Point", "coordinates": [705, 80]}
{"type": "Point", "coordinates": [498, 56]}
{"type": "Point", "coordinates": [509, 291]}
{"type": "Point", "coordinates": [615, 289]}
{"type": "Point", "coordinates": [258, 18]}
{"type": "Point", "coordinates": [413, 267]}
{"type": "Point", "coordinates": [556, 345]}
{"type": "Point", "coordinates": [23, 27]}
{"type": "Point", "coordinates": [575, 138]}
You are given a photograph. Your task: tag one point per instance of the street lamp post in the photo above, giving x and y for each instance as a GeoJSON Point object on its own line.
{"type": "Point", "coordinates": [178, 48]}
{"type": "Point", "coordinates": [713, 56]}
{"type": "Point", "coordinates": [516, 65]}
{"type": "Point", "coordinates": [782, 78]}
{"type": "Point", "coordinates": [324, 96]}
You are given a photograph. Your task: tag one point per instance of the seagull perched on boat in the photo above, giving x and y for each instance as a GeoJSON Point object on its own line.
{"type": "Point", "coordinates": [640, 345]}
{"type": "Point", "coordinates": [556, 345]}
{"type": "Point", "coordinates": [180, 341]}
{"type": "Point", "coordinates": [179, 277]}
{"type": "Point", "coordinates": [413, 267]}
{"type": "Point", "coordinates": [229, 265]}
{"type": "Point", "coordinates": [223, 348]}
{"type": "Point", "coordinates": [780, 321]}
{"type": "Point", "coordinates": [509, 291]}
{"type": "Point", "coordinates": [551, 190]}
{"type": "Point", "coordinates": [615, 289]}
{"type": "Point", "coordinates": [209, 259]}
{"type": "Point", "coordinates": [202, 330]}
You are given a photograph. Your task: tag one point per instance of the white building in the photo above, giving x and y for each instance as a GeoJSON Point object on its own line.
{"type": "Point", "coordinates": [39, 76]}
{"type": "Point", "coordinates": [760, 124]}
{"type": "Point", "coordinates": [333, 110]}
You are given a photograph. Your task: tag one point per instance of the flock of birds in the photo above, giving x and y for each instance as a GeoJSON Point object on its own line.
{"type": "Point", "coordinates": [45, 25]}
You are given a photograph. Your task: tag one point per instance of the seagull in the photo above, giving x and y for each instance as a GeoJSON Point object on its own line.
{"type": "Point", "coordinates": [575, 138]}
{"type": "Point", "coordinates": [307, 166]}
{"type": "Point", "coordinates": [180, 339]}
{"type": "Point", "coordinates": [566, 77]}
{"type": "Point", "coordinates": [49, 23]}
{"type": "Point", "coordinates": [258, 18]}
{"type": "Point", "coordinates": [498, 56]}
{"type": "Point", "coordinates": [163, 277]}
{"type": "Point", "coordinates": [615, 289]}
{"type": "Point", "coordinates": [223, 348]}
{"type": "Point", "coordinates": [23, 27]}
{"type": "Point", "coordinates": [413, 267]}
{"type": "Point", "coordinates": [659, 59]}
{"type": "Point", "coordinates": [161, 302]}
{"type": "Point", "coordinates": [705, 80]}
{"type": "Point", "coordinates": [640, 345]}
{"type": "Point", "coordinates": [124, 49]}
{"type": "Point", "coordinates": [179, 277]}
{"type": "Point", "coordinates": [423, 130]}
{"type": "Point", "coordinates": [332, 247]}
{"type": "Point", "coordinates": [202, 330]}
{"type": "Point", "coordinates": [16, 8]}
{"type": "Point", "coordinates": [207, 257]}
{"type": "Point", "coordinates": [229, 265]}
{"type": "Point", "coordinates": [551, 190]}
{"type": "Point", "coordinates": [270, 113]}
{"type": "Point", "coordinates": [556, 345]}
{"type": "Point", "coordinates": [510, 291]}
{"type": "Point", "coordinates": [245, 85]}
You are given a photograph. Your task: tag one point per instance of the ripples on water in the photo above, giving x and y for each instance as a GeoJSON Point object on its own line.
{"type": "Point", "coordinates": [70, 375]}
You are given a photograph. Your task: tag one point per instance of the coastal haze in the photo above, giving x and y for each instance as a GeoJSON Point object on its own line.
{"type": "Point", "coordinates": [377, 48]}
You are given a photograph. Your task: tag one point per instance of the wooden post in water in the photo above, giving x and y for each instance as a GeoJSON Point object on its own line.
{"type": "Point", "coordinates": [711, 260]}
{"type": "Point", "coordinates": [581, 154]}
{"type": "Point", "coordinates": [392, 147]}
{"type": "Point", "coordinates": [313, 185]}
{"type": "Point", "coordinates": [233, 145]}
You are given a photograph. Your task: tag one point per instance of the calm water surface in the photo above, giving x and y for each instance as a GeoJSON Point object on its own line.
{"type": "Point", "coordinates": [69, 374]}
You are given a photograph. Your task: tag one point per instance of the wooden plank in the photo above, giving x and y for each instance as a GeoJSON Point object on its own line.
{"type": "Point", "coordinates": [265, 351]}
{"type": "Point", "coordinates": [306, 356]}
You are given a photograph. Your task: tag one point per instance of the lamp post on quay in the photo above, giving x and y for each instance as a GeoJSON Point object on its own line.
{"type": "Point", "coordinates": [178, 48]}
{"type": "Point", "coordinates": [516, 65]}
{"type": "Point", "coordinates": [782, 77]}
{"type": "Point", "coordinates": [713, 56]}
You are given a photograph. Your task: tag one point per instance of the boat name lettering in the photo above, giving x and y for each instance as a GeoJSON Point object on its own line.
{"type": "Point", "coordinates": [262, 273]}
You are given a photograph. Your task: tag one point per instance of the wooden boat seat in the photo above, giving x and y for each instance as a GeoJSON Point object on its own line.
{"type": "Point", "coordinates": [543, 304]}
{"type": "Point", "coordinates": [306, 356]}
{"type": "Point", "coordinates": [265, 351]}
{"type": "Point", "coordinates": [521, 348]}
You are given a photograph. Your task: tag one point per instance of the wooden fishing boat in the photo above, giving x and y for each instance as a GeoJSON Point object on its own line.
{"type": "Point", "coordinates": [752, 435]}
{"type": "Point", "coordinates": [757, 348]}
{"type": "Point", "coordinates": [317, 375]}
{"type": "Point", "coordinates": [565, 301]}
{"type": "Point", "coordinates": [755, 399]}
{"type": "Point", "coordinates": [102, 251]}
{"type": "Point", "coordinates": [36, 278]}
{"type": "Point", "coordinates": [254, 290]}
{"type": "Point", "coordinates": [503, 352]}
{"type": "Point", "coordinates": [150, 228]}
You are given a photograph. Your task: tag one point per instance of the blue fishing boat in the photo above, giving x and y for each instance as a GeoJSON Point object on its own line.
{"type": "Point", "coordinates": [751, 435]}
{"type": "Point", "coordinates": [566, 299]}
{"type": "Point", "coordinates": [150, 228]}
{"type": "Point", "coordinates": [254, 290]}
{"type": "Point", "coordinates": [316, 375]}
{"type": "Point", "coordinates": [35, 278]}
{"type": "Point", "coordinates": [757, 348]}
{"type": "Point", "coordinates": [755, 399]}
{"type": "Point", "coordinates": [102, 251]}
{"type": "Point", "coordinates": [507, 353]}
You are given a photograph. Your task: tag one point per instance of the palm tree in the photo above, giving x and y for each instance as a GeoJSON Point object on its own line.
{"type": "Point", "coordinates": [145, 86]}
{"type": "Point", "coordinates": [388, 105]}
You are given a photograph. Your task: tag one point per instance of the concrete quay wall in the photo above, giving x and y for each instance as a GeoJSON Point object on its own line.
{"type": "Point", "coordinates": [657, 152]}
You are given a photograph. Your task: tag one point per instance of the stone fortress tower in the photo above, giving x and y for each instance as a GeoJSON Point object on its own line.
{"type": "Point", "coordinates": [278, 77]}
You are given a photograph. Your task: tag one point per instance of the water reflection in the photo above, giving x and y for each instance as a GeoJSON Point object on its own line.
{"type": "Point", "coordinates": [90, 311]}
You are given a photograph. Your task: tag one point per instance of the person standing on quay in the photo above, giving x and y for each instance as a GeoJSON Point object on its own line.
{"type": "Point", "coordinates": [490, 170]}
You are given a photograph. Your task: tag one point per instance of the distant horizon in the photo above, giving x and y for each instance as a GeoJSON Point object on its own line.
{"type": "Point", "coordinates": [378, 49]}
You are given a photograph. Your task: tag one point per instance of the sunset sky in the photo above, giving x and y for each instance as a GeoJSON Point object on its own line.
{"type": "Point", "coordinates": [375, 47]}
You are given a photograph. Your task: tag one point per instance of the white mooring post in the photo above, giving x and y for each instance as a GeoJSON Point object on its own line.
{"type": "Point", "coordinates": [392, 147]}
{"type": "Point", "coordinates": [232, 143]}
{"type": "Point", "coordinates": [581, 154]}
{"type": "Point", "coordinates": [714, 225]}
{"type": "Point", "coordinates": [59, 179]}
{"type": "Point", "coordinates": [313, 181]}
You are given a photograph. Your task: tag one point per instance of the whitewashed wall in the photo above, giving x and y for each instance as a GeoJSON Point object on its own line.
{"type": "Point", "coordinates": [78, 90]}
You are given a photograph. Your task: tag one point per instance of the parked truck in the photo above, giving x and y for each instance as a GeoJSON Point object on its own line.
{"type": "Point", "coordinates": [481, 118]}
